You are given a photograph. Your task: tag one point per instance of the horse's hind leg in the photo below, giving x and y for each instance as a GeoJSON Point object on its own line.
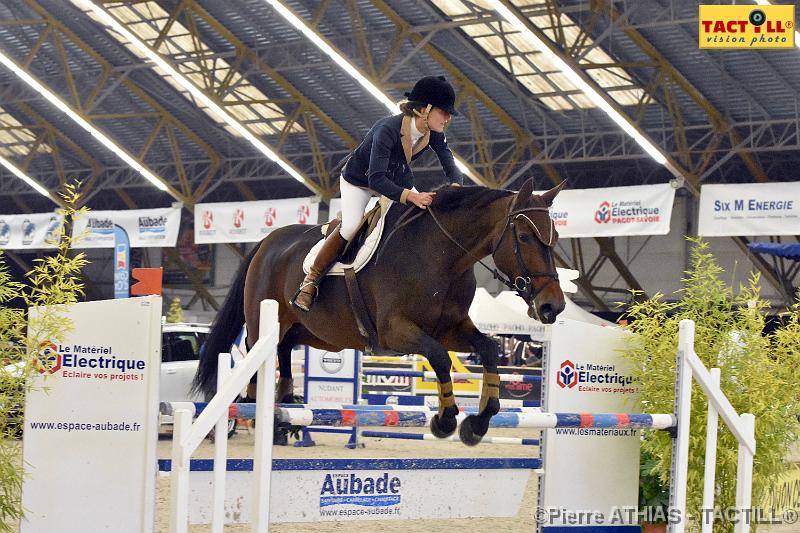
{"type": "Point", "coordinates": [474, 427]}
{"type": "Point", "coordinates": [297, 334]}
{"type": "Point", "coordinates": [284, 389]}
{"type": "Point", "coordinates": [406, 337]}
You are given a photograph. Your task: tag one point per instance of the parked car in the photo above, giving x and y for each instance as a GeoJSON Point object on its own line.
{"type": "Point", "coordinates": [180, 352]}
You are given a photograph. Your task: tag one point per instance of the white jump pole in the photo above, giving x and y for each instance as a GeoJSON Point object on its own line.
{"type": "Point", "coordinates": [683, 409]}
{"type": "Point", "coordinates": [179, 476]}
{"type": "Point", "coordinates": [741, 426]}
{"type": "Point", "coordinates": [709, 477]}
{"type": "Point", "coordinates": [744, 475]}
{"type": "Point", "coordinates": [220, 451]}
{"type": "Point", "coordinates": [265, 402]}
{"type": "Point", "coordinates": [187, 436]}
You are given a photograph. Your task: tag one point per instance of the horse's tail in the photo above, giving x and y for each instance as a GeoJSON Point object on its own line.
{"type": "Point", "coordinates": [224, 330]}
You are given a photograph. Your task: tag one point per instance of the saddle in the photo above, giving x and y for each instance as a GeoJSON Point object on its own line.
{"type": "Point", "coordinates": [361, 247]}
{"type": "Point", "coordinates": [356, 255]}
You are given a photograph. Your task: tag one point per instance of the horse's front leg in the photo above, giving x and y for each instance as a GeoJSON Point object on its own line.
{"type": "Point", "coordinates": [404, 336]}
{"type": "Point", "coordinates": [466, 335]}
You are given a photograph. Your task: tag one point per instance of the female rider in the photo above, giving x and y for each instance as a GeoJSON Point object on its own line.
{"type": "Point", "coordinates": [380, 165]}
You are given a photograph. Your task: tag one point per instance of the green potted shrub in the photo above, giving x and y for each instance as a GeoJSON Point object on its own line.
{"type": "Point", "coordinates": [53, 281]}
{"type": "Point", "coordinates": [653, 495]}
{"type": "Point", "coordinates": [759, 376]}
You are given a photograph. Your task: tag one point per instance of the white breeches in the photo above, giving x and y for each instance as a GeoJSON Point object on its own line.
{"type": "Point", "coordinates": [354, 202]}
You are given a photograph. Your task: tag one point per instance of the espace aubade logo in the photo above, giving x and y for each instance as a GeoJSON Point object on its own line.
{"type": "Point", "coordinates": [746, 26]}
{"type": "Point", "coordinates": [153, 228]}
{"type": "Point", "coordinates": [591, 377]}
{"type": "Point", "coordinates": [353, 489]}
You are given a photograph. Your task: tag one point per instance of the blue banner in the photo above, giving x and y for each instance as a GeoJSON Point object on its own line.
{"type": "Point", "coordinates": [122, 259]}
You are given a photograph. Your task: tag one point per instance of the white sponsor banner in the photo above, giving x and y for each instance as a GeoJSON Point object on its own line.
{"type": "Point", "coordinates": [606, 212]}
{"type": "Point", "coordinates": [346, 495]}
{"type": "Point", "coordinates": [588, 469]}
{"type": "Point", "coordinates": [329, 365]}
{"type": "Point", "coordinates": [614, 211]}
{"type": "Point", "coordinates": [749, 209]}
{"type": "Point", "coordinates": [250, 221]}
{"type": "Point", "coordinates": [29, 232]}
{"type": "Point", "coordinates": [145, 227]}
{"type": "Point", "coordinates": [325, 364]}
{"type": "Point", "coordinates": [91, 421]}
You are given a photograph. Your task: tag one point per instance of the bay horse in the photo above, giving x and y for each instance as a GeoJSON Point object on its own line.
{"type": "Point", "coordinates": [417, 288]}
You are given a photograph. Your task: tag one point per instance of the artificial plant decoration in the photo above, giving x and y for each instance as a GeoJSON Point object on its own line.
{"type": "Point", "coordinates": [759, 375]}
{"type": "Point", "coordinates": [54, 281]}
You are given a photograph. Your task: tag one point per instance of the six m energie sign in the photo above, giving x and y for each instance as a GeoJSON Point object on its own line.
{"type": "Point", "coordinates": [746, 26]}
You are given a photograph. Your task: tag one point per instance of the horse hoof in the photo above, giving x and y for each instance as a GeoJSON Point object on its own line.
{"type": "Point", "coordinates": [467, 433]}
{"type": "Point", "coordinates": [443, 427]}
{"type": "Point", "coordinates": [280, 436]}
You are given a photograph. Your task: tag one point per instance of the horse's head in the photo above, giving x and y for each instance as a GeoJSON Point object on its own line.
{"type": "Point", "coordinates": [522, 251]}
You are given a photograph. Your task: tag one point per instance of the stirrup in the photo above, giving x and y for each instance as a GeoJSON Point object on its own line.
{"type": "Point", "coordinates": [303, 285]}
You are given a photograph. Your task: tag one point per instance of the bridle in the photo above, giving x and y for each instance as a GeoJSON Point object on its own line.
{"type": "Point", "coordinates": [522, 284]}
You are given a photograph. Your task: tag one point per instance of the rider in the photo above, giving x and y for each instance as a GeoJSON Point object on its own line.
{"type": "Point", "coordinates": [380, 165]}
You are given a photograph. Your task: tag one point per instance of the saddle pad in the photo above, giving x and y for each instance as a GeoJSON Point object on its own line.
{"type": "Point", "coordinates": [364, 253]}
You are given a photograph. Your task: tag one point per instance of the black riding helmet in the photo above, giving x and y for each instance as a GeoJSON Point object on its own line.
{"type": "Point", "coordinates": [436, 91]}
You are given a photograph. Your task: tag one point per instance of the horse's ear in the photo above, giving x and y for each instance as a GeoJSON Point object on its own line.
{"type": "Point", "coordinates": [526, 191]}
{"type": "Point", "coordinates": [550, 195]}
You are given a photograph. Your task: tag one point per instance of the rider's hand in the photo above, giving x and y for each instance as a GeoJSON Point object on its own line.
{"type": "Point", "coordinates": [421, 199]}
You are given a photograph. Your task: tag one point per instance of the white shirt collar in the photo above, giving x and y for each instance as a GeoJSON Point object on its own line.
{"type": "Point", "coordinates": [415, 133]}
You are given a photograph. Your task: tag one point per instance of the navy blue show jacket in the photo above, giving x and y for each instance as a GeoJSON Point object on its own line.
{"type": "Point", "coordinates": [382, 161]}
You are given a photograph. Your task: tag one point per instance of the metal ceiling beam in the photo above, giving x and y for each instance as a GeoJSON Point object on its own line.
{"type": "Point", "coordinates": [470, 94]}
{"type": "Point", "coordinates": [57, 137]}
{"type": "Point", "coordinates": [549, 170]}
{"type": "Point", "coordinates": [673, 80]}
{"type": "Point", "coordinates": [689, 172]}
{"type": "Point", "coordinates": [369, 80]}
{"type": "Point", "coordinates": [203, 84]}
{"type": "Point", "coordinates": [155, 116]}
{"type": "Point", "coordinates": [305, 111]}
{"type": "Point", "coordinates": [670, 82]}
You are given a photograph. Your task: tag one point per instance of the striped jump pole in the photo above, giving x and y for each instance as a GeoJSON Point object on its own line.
{"type": "Point", "coordinates": [453, 438]}
{"type": "Point", "coordinates": [431, 376]}
{"type": "Point", "coordinates": [247, 411]}
{"type": "Point", "coordinates": [402, 408]}
{"type": "Point", "coordinates": [433, 400]}
{"type": "Point", "coordinates": [345, 417]}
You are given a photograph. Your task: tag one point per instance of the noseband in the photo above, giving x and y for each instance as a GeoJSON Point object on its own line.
{"type": "Point", "coordinates": [522, 284]}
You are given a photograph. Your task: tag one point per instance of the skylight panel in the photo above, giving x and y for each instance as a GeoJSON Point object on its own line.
{"type": "Point", "coordinates": [147, 20]}
{"type": "Point", "coordinates": [17, 140]}
{"type": "Point", "coordinates": [533, 69]}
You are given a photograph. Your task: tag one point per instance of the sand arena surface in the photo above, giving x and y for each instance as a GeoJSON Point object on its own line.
{"type": "Point", "coordinates": [332, 446]}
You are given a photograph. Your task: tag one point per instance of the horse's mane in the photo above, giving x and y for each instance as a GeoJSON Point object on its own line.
{"type": "Point", "coordinates": [450, 198]}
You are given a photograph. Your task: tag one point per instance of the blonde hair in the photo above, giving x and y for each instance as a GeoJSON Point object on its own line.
{"type": "Point", "coordinates": [408, 108]}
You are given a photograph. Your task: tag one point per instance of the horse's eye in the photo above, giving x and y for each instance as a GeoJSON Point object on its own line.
{"type": "Point", "coordinates": [524, 237]}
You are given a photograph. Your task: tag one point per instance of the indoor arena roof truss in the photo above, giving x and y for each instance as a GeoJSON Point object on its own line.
{"type": "Point", "coordinates": [532, 68]}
